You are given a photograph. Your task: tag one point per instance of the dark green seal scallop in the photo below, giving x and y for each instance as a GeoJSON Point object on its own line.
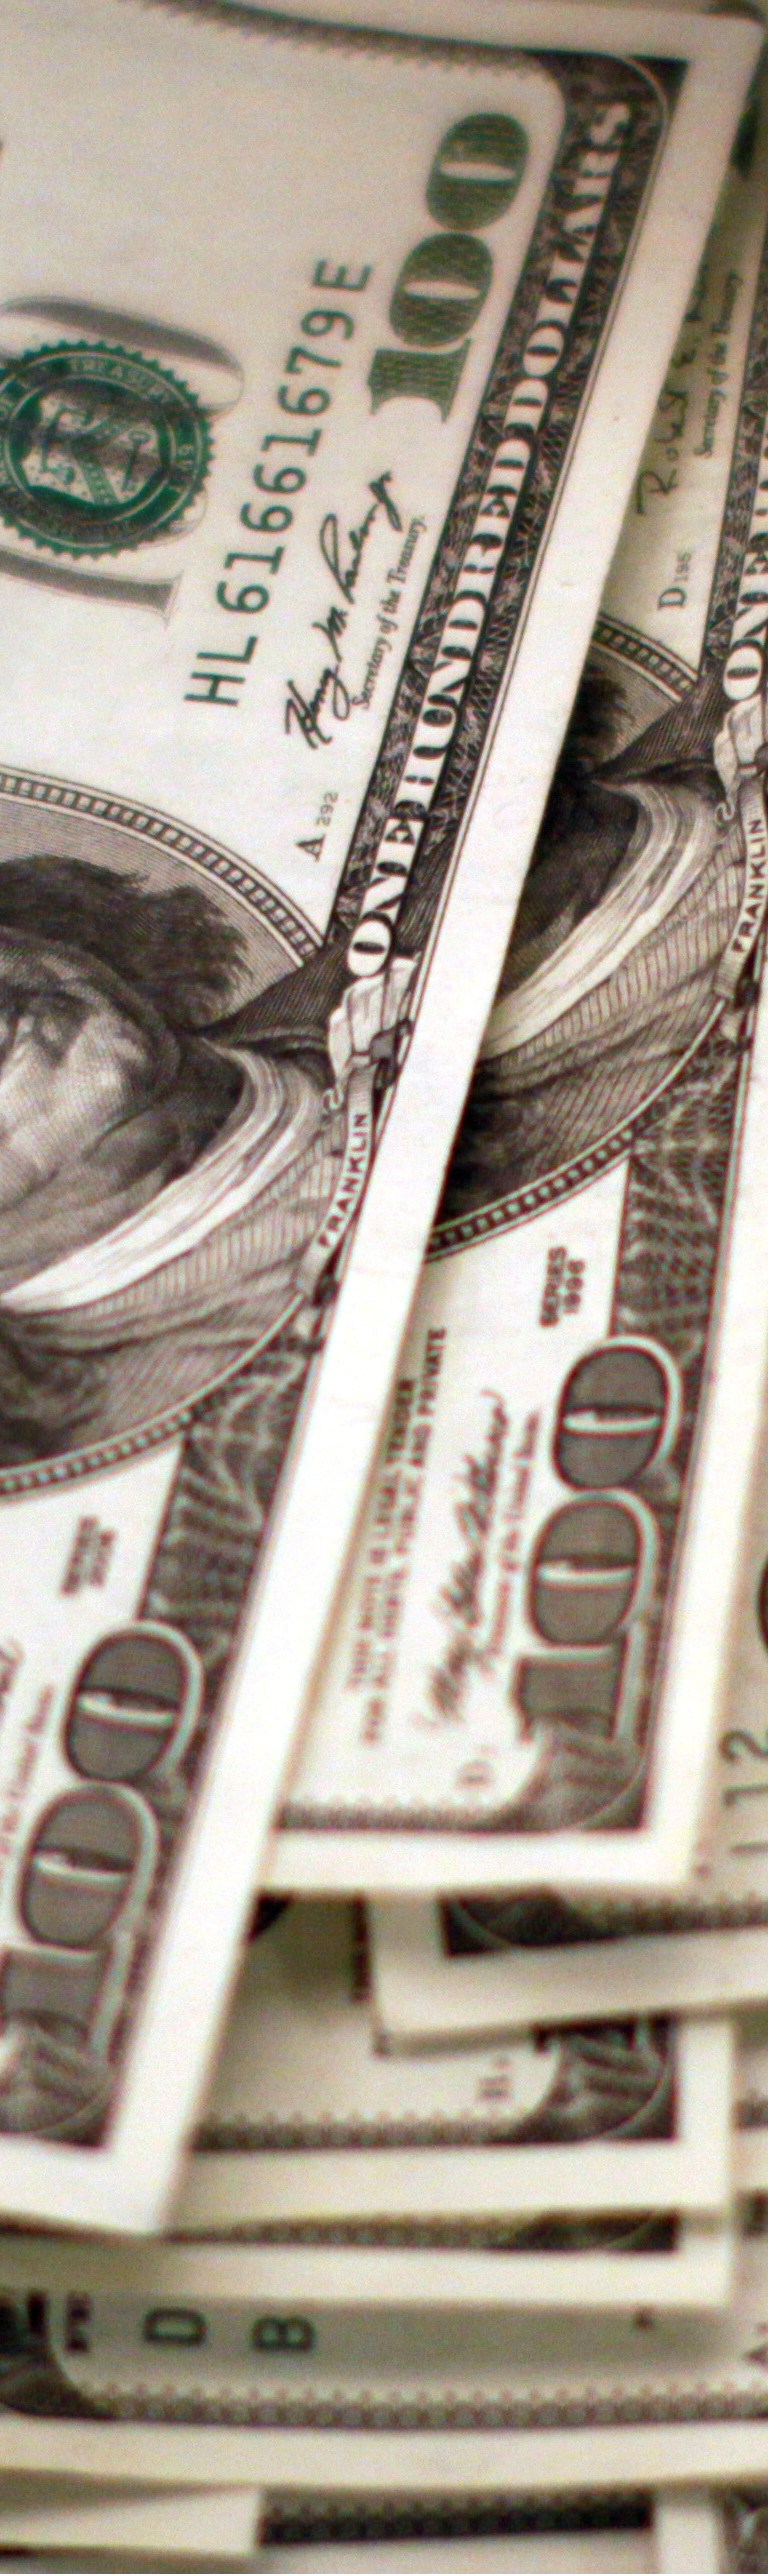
{"type": "Point", "coordinates": [100, 448]}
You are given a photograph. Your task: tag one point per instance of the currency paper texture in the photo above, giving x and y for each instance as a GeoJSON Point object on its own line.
{"type": "Point", "coordinates": [222, 2525]}
{"type": "Point", "coordinates": [309, 2118]}
{"type": "Point", "coordinates": [594, 2551]}
{"type": "Point", "coordinates": [585, 2540]}
{"type": "Point", "coordinates": [481, 1969]}
{"type": "Point", "coordinates": [473, 1967]}
{"type": "Point", "coordinates": [295, 465]}
{"type": "Point", "coordinates": [178, 2365]}
{"type": "Point", "coordinates": [688, 2530]}
{"type": "Point", "coordinates": [626, 2540]}
{"type": "Point", "coordinates": [318, 2537]}
{"type": "Point", "coordinates": [587, 2264]}
{"type": "Point", "coordinates": [597, 2553]}
{"type": "Point", "coordinates": [523, 1684]}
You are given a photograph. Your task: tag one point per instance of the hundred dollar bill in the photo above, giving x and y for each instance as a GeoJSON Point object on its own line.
{"type": "Point", "coordinates": [472, 1970]}
{"type": "Point", "coordinates": [309, 2118]}
{"type": "Point", "coordinates": [585, 2264]}
{"type": "Point", "coordinates": [542, 1588]}
{"type": "Point", "coordinates": [309, 2535]}
{"type": "Point", "coordinates": [183, 2366]}
{"type": "Point", "coordinates": [474, 1967]}
{"type": "Point", "coordinates": [326, 353]}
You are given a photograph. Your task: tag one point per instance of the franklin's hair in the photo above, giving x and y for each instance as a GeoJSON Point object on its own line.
{"type": "Point", "coordinates": [174, 946]}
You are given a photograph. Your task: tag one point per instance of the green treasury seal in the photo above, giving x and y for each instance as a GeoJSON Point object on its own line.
{"type": "Point", "coordinates": [100, 448]}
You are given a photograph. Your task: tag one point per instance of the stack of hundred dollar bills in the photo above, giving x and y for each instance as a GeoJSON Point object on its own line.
{"type": "Point", "coordinates": [383, 1287]}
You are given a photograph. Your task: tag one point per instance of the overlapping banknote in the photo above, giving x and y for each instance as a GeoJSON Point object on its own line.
{"type": "Point", "coordinates": [536, 1620]}
{"type": "Point", "coordinates": [641, 2537]}
{"type": "Point", "coordinates": [326, 355]}
{"type": "Point", "coordinates": [329, 344]}
{"type": "Point", "coordinates": [659, 2535]}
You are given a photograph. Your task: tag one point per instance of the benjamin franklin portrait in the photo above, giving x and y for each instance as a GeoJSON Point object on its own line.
{"type": "Point", "coordinates": [614, 970]}
{"type": "Point", "coordinates": [169, 1146]}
